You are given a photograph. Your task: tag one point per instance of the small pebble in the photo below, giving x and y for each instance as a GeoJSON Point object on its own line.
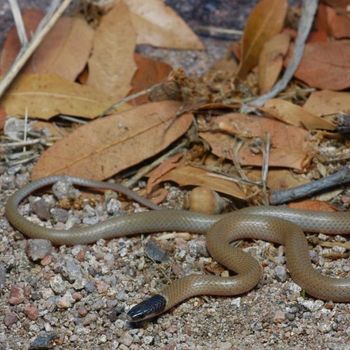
{"type": "Point", "coordinates": [41, 208]}
{"type": "Point", "coordinates": [37, 249]}
{"type": "Point", "coordinates": [113, 206]}
{"type": "Point", "coordinates": [57, 284]}
{"type": "Point", "coordinates": [155, 252]}
{"type": "Point", "coordinates": [2, 276]}
{"type": "Point", "coordinates": [279, 316]}
{"type": "Point", "coordinates": [312, 305]}
{"type": "Point", "coordinates": [31, 312]}
{"type": "Point", "coordinates": [126, 339]}
{"type": "Point", "coordinates": [16, 295]}
{"type": "Point", "coordinates": [10, 319]}
{"type": "Point", "coordinates": [64, 189]}
{"type": "Point", "coordinates": [65, 302]}
{"type": "Point", "coordinates": [59, 215]}
{"type": "Point", "coordinates": [42, 341]}
{"type": "Point", "coordinates": [281, 273]}
{"type": "Point", "coordinates": [116, 311]}
{"type": "Point", "coordinates": [72, 270]}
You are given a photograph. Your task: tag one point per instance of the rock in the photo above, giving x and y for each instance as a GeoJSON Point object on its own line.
{"type": "Point", "coordinates": [31, 312]}
{"type": "Point", "coordinates": [156, 253]}
{"type": "Point", "coordinates": [325, 327]}
{"type": "Point", "coordinates": [37, 249]}
{"type": "Point", "coordinates": [113, 206]}
{"type": "Point", "coordinates": [10, 319]}
{"type": "Point", "coordinates": [90, 220]}
{"type": "Point", "coordinates": [126, 339]}
{"type": "Point", "coordinates": [16, 295]}
{"type": "Point", "coordinates": [72, 270]}
{"type": "Point", "coordinates": [149, 340]}
{"type": "Point", "coordinates": [59, 215]}
{"type": "Point", "coordinates": [66, 301]}
{"type": "Point", "coordinates": [64, 189]}
{"type": "Point", "coordinates": [290, 316]}
{"type": "Point", "coordinates": [224, 345]}
{"type": "Point", "coordinates": [22, 179]}
{"type": "Point", "coordinates": [90, 287]}
{"type": "Point", "coordinates": [41, 208]}
{"type": "Point", "coordinates": [57, 284]}
{"type": "Point", "coordinates": [281, 273]}
{"type": "Point", "coordinates": [42, 341]}
{"type": "Point", "coordinates": [312, 305]}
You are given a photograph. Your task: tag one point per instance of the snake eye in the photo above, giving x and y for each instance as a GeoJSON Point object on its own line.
{"type": "Point", "coordinates": [147, 308]}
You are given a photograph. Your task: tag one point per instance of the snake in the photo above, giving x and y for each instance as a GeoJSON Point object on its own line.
{"type": "Point", "coordinates": [277, 224]}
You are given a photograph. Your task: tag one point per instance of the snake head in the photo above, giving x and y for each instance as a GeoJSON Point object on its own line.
{"type": "Point", "coordinates": [147, 309]}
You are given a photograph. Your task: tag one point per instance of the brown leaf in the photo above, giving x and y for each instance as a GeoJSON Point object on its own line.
{"type": "Point", "coordinates": [291, 147]}
{"type": "Point", "coordinates": [149, 72]}
{"type": "Point", "coordinates": [169, 164]}
{"type": "Point", "coordinates": [339, 25]}
{"type": "Point", "coordinates": [64, 51]}
{"type": "Point", "coordinates": [271, 61]}
{"type": "Point", "coordinates": [278, 178]}
{"type": "Point", "coordinates": [326, 65]}
{"type": "Point", "coordinates": [12, 45]}
{"type": "Point", "coordinates": [102, 148]}
{"type": "Point", "coordinates": [265, 21]}
{"type": "Point", "coordinates": [158, 24]}
{"type": "Point", "coordinates": [45, 96]}
{"type": "Point", "coordinates": [313, 205]}
{"type": "Point", "coordinates": [338, 4]}
{"type": "Point", "coordinates": [111, 66]}
{"type": "Point", "coordinates": [186, 175]}
{"type": "Point", "coordinates": [295, 115]}
{"type": "Point", "coordinates": [328, 102]}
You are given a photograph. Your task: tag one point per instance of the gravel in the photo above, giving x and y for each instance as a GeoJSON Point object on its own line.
{"type": "Point", "coordinates": [76, 297]}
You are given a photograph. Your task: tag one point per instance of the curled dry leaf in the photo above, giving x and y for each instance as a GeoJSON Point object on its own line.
{"type": "Point", "coordinates": [149, 72]}
{"type": "Point", "coordinates": [295, 115]}
{"type": "Point", "coordinates": [45, 96]}
{"type": "Point", "coordinates": [328, 102]}
{"type": "Point", "coordinates": [265, 21]}
{"type": "Point", "coordinates": [102, 148]}
{"type": "Point", "coordinates": [291, 147]}
{"type": "Point", "coordinates": [271, 61]}
{"type": "Point", "coordinates": [326, 65]}
{"type": "Point", "coordinates": [187, 175]}
{"type": "Point", "coordinates": [338, 24]}
{"type": "Point", "coordinates": [112, 66]}
{"type": "Point", "coordinates": [12, 46]}
{"type": "Point", "coordinates": [158, 24]}
{"type": "Point", "coordinates": [64, 51]}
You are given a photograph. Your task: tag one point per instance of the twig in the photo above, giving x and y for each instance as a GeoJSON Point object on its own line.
{"type": "Point", "coordinates": [21, 143]}
{"type": "Point", "coordinates": [28, 50]}
{"type": "Point", "coordinates": [129, 98]}
{"type": "Point", "coordinates": [131, 182]}
{"type": "Point", "coordinates": [305, 23]}
{"type": "Point", "coordinates": [16, 13]}
{"type": "Point", "coordinates": [73, 119]}
{"type": "Point", "coordinates": [340, 177]}
{"type": "Point", "coordinates": [218, 32]}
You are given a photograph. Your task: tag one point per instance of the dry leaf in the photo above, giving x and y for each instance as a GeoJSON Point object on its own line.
{"type": "Point", "coordinates": [12, 45]}
{"type": "Point", "coordinates": [265, 21]}
{"type": "Point", "coordinates": [278, 179]}
{"type": "Point", "coordinates": [64, 51]}
{"type": "Point", "coordinates": [339, 25]}
{"type": "Point", "coordinates": [45, 96]}
{"type": "Point", "coordinates": [49, 128]}
{"type": "Point", "coordinates": [326, 65]}
{"type": "Point", "coordinates": [340, 5]}
{"type": "Point", "coordinates": [291, 147]}
{"type": "Point", "coordinates": [295, 115]}
{"type": "Point", "coordinates": [111, 66]}
{"type": "Point", "coordinates": [186, 175]}
{"type": "Point", "coordinates": [159, 25]}
{"type": "Point", "coordinates": [313, 205]}
{"type": "Point", "coordinates": [149, 72]}
{"type": "Point", "coordinates": [271, 61]}
{"type": "Point", "coordinates": [328, 102]}
{"type": "Point", "coordinates": [102, 148]}
{"type": "Point", "coordinates": [169, 164]}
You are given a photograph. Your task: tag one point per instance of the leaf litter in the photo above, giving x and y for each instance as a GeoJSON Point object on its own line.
{"type": "Point", "coordinates": [90, 67]}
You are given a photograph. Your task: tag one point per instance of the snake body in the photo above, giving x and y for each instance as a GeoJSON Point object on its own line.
{"type": "Point", "coordinates": [275, 224]}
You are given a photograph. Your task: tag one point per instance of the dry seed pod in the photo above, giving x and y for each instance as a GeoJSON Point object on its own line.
{"type": "Point", "coordinates": [204, 200]}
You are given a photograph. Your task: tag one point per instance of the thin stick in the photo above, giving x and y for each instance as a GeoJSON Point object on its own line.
{"type": "Point", "coordinates": [24, 55]}
{"type": "Point", "coordinates": [131, 182]}
{"type": "Point", "coordinates": [339, 178]}
{"type": "Point", "coordinates": [16, 13]}
{"type": "Point", "coordinates": [265, 166]}
{"type": "Point", "coordinates": [305, 23]}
